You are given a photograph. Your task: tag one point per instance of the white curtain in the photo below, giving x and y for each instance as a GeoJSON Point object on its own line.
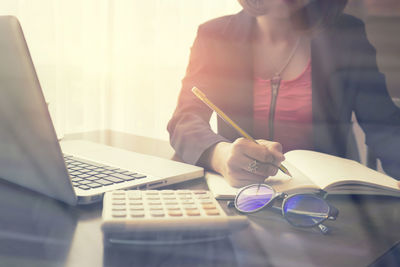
{"type": "Point", "coordinates": [112, 64]}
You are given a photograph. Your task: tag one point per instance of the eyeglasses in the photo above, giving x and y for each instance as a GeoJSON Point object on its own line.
{"type": "Point", "coordinates": [300, 210]}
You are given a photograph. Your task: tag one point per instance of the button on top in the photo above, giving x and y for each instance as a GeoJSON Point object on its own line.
{"type": "Point", "coordinates": [157, 213]}
{"type": "Point", "coordinates": [209, 206]}
{"type": "Point", "coordinates": [167, 192]}
{"type": "Point", "coordinates": [212, 212]}
{"type": "Point", "coordinates": [151, 192]}
{"type": "Point", "coordinates": [136, 214]}
{"type": "Point", "coordinates": [183, 192]}
{"type": "Point", "coordinates": [119, 214]}
{"type": "Point", "coordinates": [175, 213]}
{"type": "Point", "coordinates": [199, 192]}
{"type": "Point", "coordinates": [118, 202]}
{"type": "Point", "coordinates": [193, 212]}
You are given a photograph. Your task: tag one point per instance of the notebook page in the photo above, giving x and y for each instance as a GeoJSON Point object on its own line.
{"type": "Point", "coordinates": [280, 182]}
{"type": "Point", "coordinates": [219, 186]}
{"type": "Point", "coordinates": [324, 169]}
{"type": "Point", "coordinates": [299, 182]}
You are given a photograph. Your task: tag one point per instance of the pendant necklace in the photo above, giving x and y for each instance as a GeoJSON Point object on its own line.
{"type": "Point", "coordinates": [275, 84]}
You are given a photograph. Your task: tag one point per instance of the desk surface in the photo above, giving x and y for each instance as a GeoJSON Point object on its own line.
{"type": "Point", "coordinates": [38, 231]}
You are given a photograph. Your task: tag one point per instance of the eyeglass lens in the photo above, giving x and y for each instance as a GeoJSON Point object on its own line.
{"type": "Point", "coordinates": [305, 210]}
{"type": "Point", "coordinates": [253, 198]}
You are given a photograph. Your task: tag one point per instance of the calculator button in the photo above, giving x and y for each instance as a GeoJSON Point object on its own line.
{"type": "Point", "coordinates": [136, 214]}
{"type": "Point", "coordinates": [173, 207]}
{"type": "Point", "coordinates": [153, 198]}
{"type": "Point", "coordinates": [185, 197]}
{"type": "Point", "coordinates": [175, 213]}
{"type": "Point", "coordinates": [137, 208]}
{"type": "Point", "coordinates": [157, 213]}
{"type": "Point", "coordinates": [118, 193]}
{"type": "Point", "coordinates": [134, 203]}
{"type": "Point", "coordinates": [169, 197]}
{"type": "Point", "coordinates": [118, 197]}
{"type": "Point", "coordinates": [199, 192]}
{"type": "Point", "coordinates": [158, 207]}
{"type": "Point", "coordinates": [183, 192]}
{"type": "Point", "coordinates": [187, 202]}
{"type": "Point", "coordinates": [151, 192]}
{"type": "Point", "coordinates": [118, 202]}
{"type": "Point", "coordinates": [134, 197]}
{"type": "Point", "coordinates": [134, 193]}
{"type": "Point", "coordinates": [209, 206]}
{"type": "Point", "coordinates": [190, 207]}
{"type": "Point", "coordinates": [202, 197]}
{"type": "Point", "coordinates": [119, 214]}
{"type": "Point", "coordinates": [118, 208]}
{"type": "Point", "coordinates": [171, 202]}
{"type": "Point", "coordinates": [212, 212]}
{"type": "Point", "coordinates": [193, 212]}
{"type": "Point", "coordinates": [206, 201]}
{"type": "Point", "coordinates": [167, 192]}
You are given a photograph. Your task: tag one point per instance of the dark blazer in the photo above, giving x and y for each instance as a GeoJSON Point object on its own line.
{"type": "Point", "coordinates": [345, 79]}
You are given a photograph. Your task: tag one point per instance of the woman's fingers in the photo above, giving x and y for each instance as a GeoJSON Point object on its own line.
{"type": "Point", "coordinates": [263, 151]}
{"type": "Point", "coordinates": [247, 162]}
{"type": "Point", "coordinates": [274, 148]}
{"type": "Point", "coordinates": [252, 166]}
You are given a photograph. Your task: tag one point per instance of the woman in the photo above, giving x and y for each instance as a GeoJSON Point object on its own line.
{"type": "Point", "coordinates": [318, 64]}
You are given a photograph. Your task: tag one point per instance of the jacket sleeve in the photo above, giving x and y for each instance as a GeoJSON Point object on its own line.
{"type": "Point", "coordinates": [189, 128]}
{"type": "Point", "coordinates": [375, 111]}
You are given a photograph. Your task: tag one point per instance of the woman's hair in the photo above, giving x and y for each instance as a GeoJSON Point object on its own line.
{"type": "Point", "coordinates": [317, 13]}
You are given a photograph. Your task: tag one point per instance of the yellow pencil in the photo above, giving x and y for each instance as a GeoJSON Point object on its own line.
{"type": "Point", "coordinates": [228, 120]}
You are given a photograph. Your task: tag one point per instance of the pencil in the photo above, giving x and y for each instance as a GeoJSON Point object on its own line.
{"type": "Point", "coordinates": [228, 120]}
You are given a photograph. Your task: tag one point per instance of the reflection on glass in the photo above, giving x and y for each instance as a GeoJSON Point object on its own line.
{"type": "Point", "coordinates": [33, 228]}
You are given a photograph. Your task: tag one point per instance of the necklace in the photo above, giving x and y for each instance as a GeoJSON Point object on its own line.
{"type": "Point", "coordinates": [275, 84]}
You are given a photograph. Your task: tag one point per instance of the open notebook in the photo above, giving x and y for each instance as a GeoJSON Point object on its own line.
{"type": "Point", "coordinates": [314, 171]}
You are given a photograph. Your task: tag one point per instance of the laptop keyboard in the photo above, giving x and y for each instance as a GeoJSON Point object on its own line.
{"type": "Point", "coordinates": [86, 174]}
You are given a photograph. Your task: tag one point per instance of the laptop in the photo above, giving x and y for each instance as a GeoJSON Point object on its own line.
{"type": "Point", "coordinates": [75, 172]}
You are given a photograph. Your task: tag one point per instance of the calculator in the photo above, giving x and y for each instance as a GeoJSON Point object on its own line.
{"type": "Point", "coordinates": [165, 217]}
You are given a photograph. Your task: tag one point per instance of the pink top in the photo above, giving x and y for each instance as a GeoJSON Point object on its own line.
{"type": "Point", "coordinates": [293, 115]}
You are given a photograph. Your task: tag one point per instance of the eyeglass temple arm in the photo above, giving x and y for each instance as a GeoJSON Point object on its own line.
{"type": "Point", "coordinates": [323, 228]}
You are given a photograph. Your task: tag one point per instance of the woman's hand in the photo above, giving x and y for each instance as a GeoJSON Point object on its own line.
{"type": "Point", "coordinates": [245, 162]}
